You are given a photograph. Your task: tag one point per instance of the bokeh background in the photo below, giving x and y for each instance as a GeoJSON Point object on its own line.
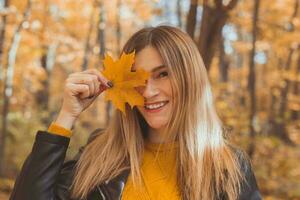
{"type": "Point", "coordinates": [251, 49]}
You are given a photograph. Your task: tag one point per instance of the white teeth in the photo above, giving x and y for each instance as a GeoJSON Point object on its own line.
{"type": "Point", "coordinates": [155, 106]}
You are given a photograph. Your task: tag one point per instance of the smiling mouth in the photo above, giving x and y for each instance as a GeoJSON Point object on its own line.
{"type": "Point", "coordinates": [156, 106]}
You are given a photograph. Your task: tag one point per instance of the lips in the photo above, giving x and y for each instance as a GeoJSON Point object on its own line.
{"type": "Point", "coordinates": [155, 107]}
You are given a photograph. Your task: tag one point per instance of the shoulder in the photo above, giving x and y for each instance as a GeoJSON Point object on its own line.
{"type": "Point", "coordinates": [242, 157]}
{"type": "Point", "coordinates": [249, 187]}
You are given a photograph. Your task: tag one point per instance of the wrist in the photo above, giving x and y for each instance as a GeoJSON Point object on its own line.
{"type": "Point", "coordinates": [65, 120]}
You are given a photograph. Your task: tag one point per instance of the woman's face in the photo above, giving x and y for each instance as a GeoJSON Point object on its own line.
{"type": "Point", "coordinates": [158, 92]}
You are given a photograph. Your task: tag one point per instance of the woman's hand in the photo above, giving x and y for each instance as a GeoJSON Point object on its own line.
{"type": "Point", "coordinates": [80, 90]}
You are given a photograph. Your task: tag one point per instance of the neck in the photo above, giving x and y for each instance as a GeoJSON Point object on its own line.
{"type": "Point", "coordinates": [156, 136]}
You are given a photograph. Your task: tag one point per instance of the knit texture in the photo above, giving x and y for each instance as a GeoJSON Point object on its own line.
{"type": "Point", "coordinates": [59, 130]}
{"type": "Point", "coordinates": [158, 175]}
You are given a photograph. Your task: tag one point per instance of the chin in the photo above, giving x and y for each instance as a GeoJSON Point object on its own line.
{"type": "Point", "coordinates": [156, 125]}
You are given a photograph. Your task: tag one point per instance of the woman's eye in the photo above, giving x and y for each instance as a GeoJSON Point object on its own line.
{"type": "Point", "coordinates": [163, 74]}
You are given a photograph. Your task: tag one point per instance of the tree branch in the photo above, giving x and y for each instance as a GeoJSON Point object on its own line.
{"type": "Point", "coordinates": [191, 18]}
{"type": "Point", "coordinates": [230, 5]}
{"type": "Point", "coordinates": [219, 4]}
{"type": "Point", "coordinates": [296, 9]}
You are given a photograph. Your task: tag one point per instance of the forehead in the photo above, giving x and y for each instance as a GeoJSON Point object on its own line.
{"type": "Point", "coordinates": [148, 59]}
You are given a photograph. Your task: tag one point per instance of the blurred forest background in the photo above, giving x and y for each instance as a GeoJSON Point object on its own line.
{"type": "Point", "coordinates": [251, 50]}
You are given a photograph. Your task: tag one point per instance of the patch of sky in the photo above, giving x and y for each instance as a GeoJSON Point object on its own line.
{"type": "Point", "coordinates": [169, 12]}
{"type": "Point", "coordinates": [260, 57]}
{"type": "Point", "coordinates": [167, 15]}
{"type": "Point", "coordinates": [229, 35]}
{"type": "Point", "coordinates": [126, 12]}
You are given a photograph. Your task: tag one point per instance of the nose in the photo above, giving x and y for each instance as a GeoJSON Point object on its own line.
{"type": "Point", "coordinates": [150, 90]}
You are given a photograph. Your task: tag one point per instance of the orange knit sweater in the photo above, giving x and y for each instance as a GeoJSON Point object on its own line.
{"type": "Point", "coordinates": [158, 171]}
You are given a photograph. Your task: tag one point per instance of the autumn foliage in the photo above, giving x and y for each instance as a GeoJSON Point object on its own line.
{"type": "Point", "coordinates": [251, 50]}
{"type": "Point", "coordinates": [124, 80]}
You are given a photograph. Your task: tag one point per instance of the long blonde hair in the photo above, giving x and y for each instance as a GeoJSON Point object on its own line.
{"type": "Point", "coordinates": [206, 166]}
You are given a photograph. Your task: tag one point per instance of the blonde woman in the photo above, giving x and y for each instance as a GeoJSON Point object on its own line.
{"type": "Point", "coordinates": [170, 148]}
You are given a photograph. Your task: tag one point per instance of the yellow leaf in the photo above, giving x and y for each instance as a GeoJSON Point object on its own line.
{"type": "Point", "coordinates": [124, 81]}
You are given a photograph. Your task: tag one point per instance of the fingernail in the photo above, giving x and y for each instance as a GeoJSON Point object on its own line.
{"type": "Point", "coordinates": [110, 84]}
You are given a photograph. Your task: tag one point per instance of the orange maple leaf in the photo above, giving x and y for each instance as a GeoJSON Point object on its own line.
{"type": "Point", "coordinates": [124, 81]}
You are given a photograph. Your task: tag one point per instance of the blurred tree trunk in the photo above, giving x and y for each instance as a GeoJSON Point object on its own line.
{"type": "Point", "coordinates": [101, 42]}
{"type": "Point", "coordinates": [279, 127]}
{"type": "Point", "coordinates": [87, 46]}
{"type": "Point", "coordinates": [286, 85]}
{"type": "Point", "coordinates": [179, 13]}
{"type": "Point", "coordinates": [223, 62]}
{"type": "Point", "coordinates": [47, 63]}
{"type": "Point", "coordinates": [295, 113]}
{"type": "Point", "coordinates": [192, 18]}
{"type": "Point", "coordinates": [252, 79]}
{"type": "Point", "coordinates": [239, 60]}
{"type": "Point", "coordinates": [212, 23]}
{"type": "Point", "coordinates": [239, 56]}
{"type": "Point", "coordinates": [277, 124]}
{"type": "Point", "coordinates": [4, 6]}
{"type": "Point", "coordinates": [8, 83]}
{"type": "Point", "coordinates": [214, 18]}
{"type": "Point", "coordinates": [101, 30]}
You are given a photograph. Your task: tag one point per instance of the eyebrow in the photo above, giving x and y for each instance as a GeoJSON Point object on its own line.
{"type": "Point", "coordinates": [158, 68]}
{"type": "Point", "coordinates": [155, 69]}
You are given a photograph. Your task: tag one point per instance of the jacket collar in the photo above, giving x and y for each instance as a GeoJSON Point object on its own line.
{"type": "Point", "coordinates": [110, 190]}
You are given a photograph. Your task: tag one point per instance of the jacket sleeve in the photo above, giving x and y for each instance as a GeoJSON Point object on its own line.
{"type": "Point", "coordinates": [249, 188]}
{"type": "Point", "coordinates": [44, 175]}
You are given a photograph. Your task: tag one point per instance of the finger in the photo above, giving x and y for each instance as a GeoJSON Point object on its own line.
{"type": "Point", "coordinates": [78, 78]}
{"type": "Point", "coordinates": [85, 79]}
{"type": "Point", "coordinates": [97, 83]}
{"type": "Point", "coordinates": [95, 89]}
{"type": "Point", "coordinates": [103, 80]}
{"type": "Point", "coordinates": [100, 76]}
{"type": "Point", "coordinates": [101, 89]}
{"type": "Point", "coordinates": [80, 90]}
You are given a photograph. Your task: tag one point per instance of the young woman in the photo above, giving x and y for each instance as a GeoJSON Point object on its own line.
{"type": "Point", "coordinates": [170, 148]}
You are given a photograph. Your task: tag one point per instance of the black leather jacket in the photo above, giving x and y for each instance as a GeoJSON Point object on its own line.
{"type": "Point", "coordinates": [45, 176]}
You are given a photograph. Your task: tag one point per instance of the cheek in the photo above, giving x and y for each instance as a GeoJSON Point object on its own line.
{"type": "Point", "coordinates": [140, 89]}
{"type": "Point", "coordinates": [168, 89]}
